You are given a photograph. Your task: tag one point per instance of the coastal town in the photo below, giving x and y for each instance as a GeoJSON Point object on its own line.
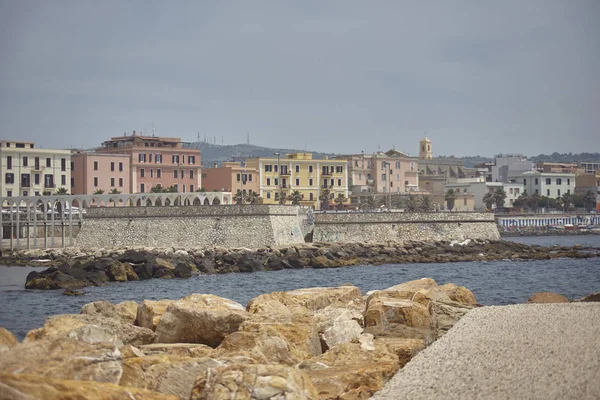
{"type": "Point", "coordinates": [393, 180]}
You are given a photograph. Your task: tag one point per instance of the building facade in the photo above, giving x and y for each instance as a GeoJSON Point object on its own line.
{"type": "Point", "coordinates": [281, 176]}
{"type": "Point", "coordinates": [30, 171]}
{"type": "Point", "coordinates": [479, 188]}
{"type": "Point", "coordinates": [92, 172]}
{"type": "Point", "coordinates": [552, 185]}
{"type": "Point", "coordinates": [508, 165]}
{"type": "Point", "coordinates": [157, 161]}
{"type": "Point", "coordinates": [231, 177]}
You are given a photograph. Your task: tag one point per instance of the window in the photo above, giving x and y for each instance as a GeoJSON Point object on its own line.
{"type": "Point", "coordinates": [9, 178]}
{"type": "Point", "coordinates": [275, 167]}
{"type": "Point", "coordinates": [397, 177]}
{"type": "Point", "coordinates": [549, 181]}
{"type": "Point", "coordinates": [547, 192]}
{"type": "Point", "coordinates": [37, 163]}
{"type": "Point", "coordinates": [191, 174]}
{"type": "Point", "coordinates": [63, 180]}
{"type": "Point", "coordinates": [158, 172]}
{"type": "Point", "coordinates": [112, 182]}
{"type": "Point", "coordinates": [524, 181]}
{"type": "Point", "coordinates": [310, 182]}
{"type": "Point", "coordinates": [536, 181]}
{"type": "Point", "coordinates": [191, 188]}
{"type": "Point", "coordinates": [276, 196]}
{"type": "Point", "coordinates": [311, 196]}
{"type": "Point", "coordinates": [72, 182]}
{"type": "Point", "coordinates": [310, 168]}
{"type": "Point", "coordinates": [339, 169]}
{"type": "Point", "coordinates": [142, 172]}
{"type": "Point", "coordinates": [383, 177]}
{"type": "Point", "coordinates": [49, 181]}
{"type": "Point", "coordinates": [25, 161]}
{"type": "Point", "coordinates": [297, 168]}
{"type": "Point", "coordinates": [175, 174]}
{"type": "Point", "coordinates": [9, 193]}
{"type": "Point", "coordinates": [120, 167]}
{"type": "Point", "coordinates": [9, 162]}
{"type": "Point", "coordinates": [324, 183]}
{"type": "Point", "coordinates": [158, 158]}
{"type": "Point", "coordinates": [239, 177]}
{"type": "Point", "coordinates": [331, 169]}
{"type": "Point", "coordinates": [276, 181]}
{"type": "Point", "coordinates": [268, 195]}
{"type": "Point", "coordinates": [297, 181]}
{"type": "Point", "coordinates": [339, 182]}
{"type": "Point", "coordinates": [427, 186]}
{"type": "Point", "coordinates": [120, 182]}
{"type": "Point", "coordinates": [72, 166]}
{"type": "Point", "coordinates": [48, 162]}
{"type": "Point", "coordinates": [63, 164]}
{"type": "Point", "coordinates": [510, 190]}
{"type": "Point", "coordinates": [142, 157]}
{"type": "Point", "coordinates": [142, 188]}
{"type": "Point", "coordinates": [397, 164]}
{"type": "Point", "coordinates": [191, 161]}
{"type": "Point", "coordinates": [95, 165]}
{"type": "Point", "coordinates": [558, 181]}
{"type": "Point", "coordinates": [95, 181]}
{"type": "Point", "coordinates": [151, 173]}
{"type": "Point", "coordinates": [182, 173]}
{"type": "Point", "coordinates": [249, 177]}
{"type": "Point", "coordinates": [268, 168]}
{"type": "Point", "coordinates": [36, 179]}
{"type": "Point", "coordinates": [569, 181]}
{"type": "Point", "coordinates": [332, 182]}
{"type": "Point", "coordinates": [517, 190]}
{"type": "Point", "coordinates": [537, 191]}
{"type": "Point", "coordinates": [112, 165]}
{"type": "Point", "coordinates": [175, 158]}
{"type": "Point", "coordinates": [268, 181]}
{"type": "Point", "coordinates": [558, 192]}
{"type": "Point", "coordinates": [150, 157]}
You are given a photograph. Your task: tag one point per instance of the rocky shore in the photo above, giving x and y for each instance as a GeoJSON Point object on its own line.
{"type": "Point", "coordinates": [73, 268]}
{"type": "Point", "coordinates": [314, 343]}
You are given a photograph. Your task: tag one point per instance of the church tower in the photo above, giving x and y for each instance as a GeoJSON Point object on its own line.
{"type": "Point", "coordinates": [425, 152]}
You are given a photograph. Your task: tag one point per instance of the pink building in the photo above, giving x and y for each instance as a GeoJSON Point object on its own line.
{"type": "Point", "coordinates": [157, 161]}
{"type": "Point", "coordinates": [92, 171]}
{"type": "Point", "coordinates": [231, 177]}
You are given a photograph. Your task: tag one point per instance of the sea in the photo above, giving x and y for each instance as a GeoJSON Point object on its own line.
{"type": "Point", "coordinates": [493, 283]}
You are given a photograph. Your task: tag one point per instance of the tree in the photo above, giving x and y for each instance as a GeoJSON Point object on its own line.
{"type": "Point", "coordinates": [62, 191]}
{"type": "Point", "coordinates": [340, 200]}
{"type": "Point", "coordinates": [295, 197]}
{"type": "Point", "coordinates": [369, 203]}
{"type": "Point", "coordinates": [499, 197]}
{"type": "Point", "coordinates": [412, 203]}
{"type": "Point", "coordinates": [157, 189]}
{"type": "Point", "coordinates": [99, 191]}
{"type": "Point", "coordinates": [253, 198]}
{"type": "Point", "coordinates": [238, 198]}
{"type": "Point", "coordinates": [201, 190]}
{"type": "Point", "coordinates": [450, 198]}
{"type": "Point", "coordinates": [489, 200]}
{"type": "Point", "coordinates": [589, 200]}
{"type": "Point", "coordinates": [566, 200]}
{"type": "Point", "coordinates": [324, 199]}
{"type": "Point", "coordinates": [426, 204]}
{"type": "Point", "coordinates": [115, 191]}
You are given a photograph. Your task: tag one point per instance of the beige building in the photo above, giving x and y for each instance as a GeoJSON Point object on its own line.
{"type": "Point", "coordinates": [281, 176]}
{"type": "Point", "coordinates": [92, 172]}
{"type": "Point", "coordinates": [30, 171]}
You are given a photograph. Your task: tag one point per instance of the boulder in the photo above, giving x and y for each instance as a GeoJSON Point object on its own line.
{"type": "Point", "coordinates": [162, 263]}
{"type": "Point", "coordinates": [253, 382]}
{"type": "Point", "coordinates": [383, 310]}
{"type": "Point", "coordinates": [337, 326]}
{"type": "Point", "coordinates": [399, 331]}
{"type": "Point", "coordinates": [591, 297]}
{"type": "Point", "coordinates": [264, 347]}
{"type": "Point", "coordinates": [320, 297]}
{"type": "Point", "coordinates": [200, 318]}
{"type": "Point", "coordinates": [445, 315]}
{"type": "Point", "coordinates": [7, 340]}
{"type": "Point", "coordinates": [65, 358]}
{"type": "Point", "coordinates": [63, 325]}
{"type": "Point", "coordinates": [192, 350]}
{"type": "Point", "coordinates": [459, 294]}
{"type": "Point", "coordinates": [125, 311]}
{"type": "Point", "coordinates": [149, 312]}
{"type": "Point", "coordinates": [24, 386]}
{"type": "Point", "coordinates": [116, 272]}
{"type": "Point", "coordinates": [411, 287]}
{"type": "Point", "coordinates": [547, 297]}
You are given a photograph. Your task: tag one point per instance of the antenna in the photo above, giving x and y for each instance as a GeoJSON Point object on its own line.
{"type": "Point", "coordinates": [248, 137]}
{"type": "Point", "coordinates": [153, 129]}
{"type": "Point", "coordinates": [198, 136]}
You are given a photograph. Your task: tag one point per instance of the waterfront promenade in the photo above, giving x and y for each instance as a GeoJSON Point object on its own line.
{"type": "Point", "coordinates": [526, 351]}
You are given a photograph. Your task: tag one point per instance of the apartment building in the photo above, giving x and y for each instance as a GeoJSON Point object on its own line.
{"type": "Point", "coordinates": [552, 185]}
{"type": "Point", "coordinates": [479, 188]}
{"type": "Point", "coordinates": [508, 165]}
{"type": "Point", "coordinates": [280, 176]}
{"type": "Point", "coordinates": [157, 161]}
{"type": "Point", "coordinates": [231, 177]}
{"type": "Point", "coordinates": [92, 172]}
{"type": "Point", "coordinates": [30, 171]}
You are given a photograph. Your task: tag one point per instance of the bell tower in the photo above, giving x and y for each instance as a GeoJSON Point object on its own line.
{"type": "Point", "coordinates": [425, 152]}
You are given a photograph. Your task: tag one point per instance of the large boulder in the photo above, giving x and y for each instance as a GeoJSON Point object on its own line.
{"type": "Point", "coordinates": [7, 340]}
{"type": "Point", "coordinates": [253, 382]}
{"type": "Point", "coordinates": [125, 311]}
{"type": "Point", "coordinates": [25, 386]}
{"type": "Point", "coordinates": [591, 297]}
{"type": "Point", "coordinates": [383, 310]}
{"type": "Point", "coordinates": [399, 331]}
{"type": "Point", "coordinates": [320, 297]}
{"type": "Point", "coordinates": [63, 325]}
{"type": "Point", "coordinates": [408, 289]}
{"type": "Point", "coordinates": [460, 294]}
{"type": "Point", "coordinates": [200, 318]}
{"type": "Point", "coordinates": [547, 297]}
{"type": "Point", "coordinates": [337, 326]}
{"type": "Point", "coordinates": [183, 350]}
{"type": "Point", "coordinates": [266, 347]}
{"type": "Point", "coordinates": [149, 312]}
{"type": "Point", "coordinates": [65, 358]}
{"type": "Point", "coordinates": [445, 315]}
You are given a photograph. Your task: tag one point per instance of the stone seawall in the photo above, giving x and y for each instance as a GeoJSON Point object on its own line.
{"type": "Point", "coordinates": [402, 227]}
{"type": "Point", "coordinates": [251, 226]}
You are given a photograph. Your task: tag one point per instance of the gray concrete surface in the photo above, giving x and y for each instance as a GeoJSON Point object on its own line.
{"type": "Point", "coordinates": [526, 351]}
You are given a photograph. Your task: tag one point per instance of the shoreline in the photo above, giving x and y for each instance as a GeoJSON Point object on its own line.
{"type": "Point", "coordinates": [524, 233]}
{"type": "Point", "coordinates": [73, 268]}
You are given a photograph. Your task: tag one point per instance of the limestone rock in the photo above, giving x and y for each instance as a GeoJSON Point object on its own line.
{"type": "Point", "coordinates": [547, 297]}
{"type": "Point", "coordinates": [116, 272]}
{"type": "Point", "coordinates": [277, 305]}
{"type": "Point", "coordinates": [387, 310]}
{"type": "Point", "coordinates": [149, 312]}
{"type": "Point", "coordinates": [264, 347]}
{"type": "Point", "coordinates": [320, 297]}
{"type": "Point", "coordinates": [424, 296]}
{"type": "Point", "coordinates": [404, 349]}
{"type": "Point", "coordinates": [337, 326]}
{"type": "Point", "coordinates": [24, 386]}
{"type": "Point", "coordinates": [62, 325]}
{"type": "Point", "coordinates": [253, 382]}
{"type": "Point", "coordinates": [445, 315]}
{"type": "Point", "coordinates": [399, 331]}
{"type": "Point", "coordinates": [64, 358]}
{"type": "Point", "coordinates": [459, 294]}
{"type": "Point", "coordinates": [413, 286]}
{"type": "Point", "coordinates": [200, 318]}
{"type": "Point", "coordinates": [162, 263]}
{"type": "Point", "coordinates": [193, 350]}
{"type": "Point", "coordinates": [125, 311]}
{"type": "Point", "coordinates": [7, 340]}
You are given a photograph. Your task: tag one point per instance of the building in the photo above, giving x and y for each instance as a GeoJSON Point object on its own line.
{"type": "Point", "coordinates": [479, 188]}
{"type": "Point", "coordinates": [281, 176]}
{"type": "Point", "coordinates": [589, 183]}
{"type": "Point", "coordinates": [30, 171]}
{"type": "Point", "coordinates": [92, 172]}
{"type": "Point", "coordinates": [555, 168]}
{"type": "Point", "coordinates": [590, 167]}
{"type": "Point", "coordinates": [157, 161]}
{"type": "Point", "coordinates": [552, 185]}
{"type": "Point", "coordinates": [508, 165]}
{"type": "Point", "coordinates": [231, 177]}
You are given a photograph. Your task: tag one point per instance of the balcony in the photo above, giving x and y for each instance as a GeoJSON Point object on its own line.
{"type": "Point", "coordinates": [26, 184]}
{"type": "Point", "coordinates": [326, 173]}
{"type": "Point", "coordinates": [285, 172]}
{"type": "Point", "coordinates": [49, 185]}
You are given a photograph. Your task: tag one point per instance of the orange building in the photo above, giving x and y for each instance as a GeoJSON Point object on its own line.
{"type": "Point", "coordinates": [157, 161]}
{"type": "Point", "coordinates": [91, 171]}
{"type": "Point", "coordinates": [231, 177]}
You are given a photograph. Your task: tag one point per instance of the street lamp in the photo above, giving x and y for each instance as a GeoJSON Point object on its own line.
{"type": "Point", "coordinates": [278, 174]}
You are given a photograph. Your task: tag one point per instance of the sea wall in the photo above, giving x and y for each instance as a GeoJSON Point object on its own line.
{"type": "Point", "coordinates": [402, 227]}
{"type": "Point", "coordinates": [251, 226]}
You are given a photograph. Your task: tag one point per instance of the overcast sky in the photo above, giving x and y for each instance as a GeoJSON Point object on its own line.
{"type": "Point", "coordinates": [480, 77]}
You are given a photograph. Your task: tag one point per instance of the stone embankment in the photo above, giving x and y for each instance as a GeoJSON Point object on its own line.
{"type": "Point", "coordinates": [73, 268]}
{"type": "Point", "coordinates": [314, 343]}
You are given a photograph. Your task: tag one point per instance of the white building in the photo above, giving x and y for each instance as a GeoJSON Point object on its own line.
{"type": "Point", "coordinates": [480, 188]}
{"type": "Point", "coordinates": [552, 185]}
{"type": "Point", "coordinates": [30, 171]}
{"type": "Point", "coordinates": [508, 165]}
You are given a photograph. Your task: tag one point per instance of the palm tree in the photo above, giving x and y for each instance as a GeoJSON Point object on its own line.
{"type": "Point", "coordinates": [489, 200]}
{"type": "Point", "coordinates": [295, 197]}
{"type": "Point", "coordinates": [340, 200]}
{"type": "Point", "coordinates": [450, 198]}
{"type": "Point", "coordinates": [62, 191]}
{"type": "Point", "coordinates": [412, 203]}
{"type": "Point", "coordinates": [252, 197]}
{"type": "Point", "coordinates": [499, 197]}
{"type": "Point", "coordinates": [566, 200]}
{"type": "Point", "coordinates": [115, 191]}
{"type": "Point", "coordinates": [238, 197]}
{"type": "Point", "coordinates": [426, 204]}
{"type": "Point", "coordinates": [99, 191]}
{"type": "Point", "coordinates": [589, 200]}
{"type": "Point", "coordinates": [324, 199]}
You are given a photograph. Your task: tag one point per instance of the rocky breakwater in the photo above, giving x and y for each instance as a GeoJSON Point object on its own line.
{"type": "Point", "coordinates": [73, 268]}
{"type": "Point", "coordinates": [314, 343]}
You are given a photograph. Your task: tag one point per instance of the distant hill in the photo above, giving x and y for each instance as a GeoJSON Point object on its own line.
{"type": "Point", "coordinates": [214, 153]}
{"type": "Point", "coordinates": [469, 162]}
{"type": "Point", "coordinates": [566, 157]}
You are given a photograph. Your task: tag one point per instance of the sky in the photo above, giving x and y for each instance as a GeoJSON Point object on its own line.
{"type": "Point", "coordinates": [478, 77]}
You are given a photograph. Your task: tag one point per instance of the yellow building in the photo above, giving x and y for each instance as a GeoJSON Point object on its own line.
{"type": "Point", "coordinates": [281, 176]}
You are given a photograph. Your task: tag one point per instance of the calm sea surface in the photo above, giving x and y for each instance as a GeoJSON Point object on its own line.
{"type": "Point", "coordinates": [494, 283]}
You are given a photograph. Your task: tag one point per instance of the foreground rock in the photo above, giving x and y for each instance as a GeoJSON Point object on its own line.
{"type": "Point", "coordinates": [24, 386]}
{"type": "Point", "coordinates": [7, 340]}
{"type": "Point", "coordinates": [149, 312]}
{"type": "Point", "coordinates": [125, 311]}
{"type": "Point", "coordinates": [547, 297]}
